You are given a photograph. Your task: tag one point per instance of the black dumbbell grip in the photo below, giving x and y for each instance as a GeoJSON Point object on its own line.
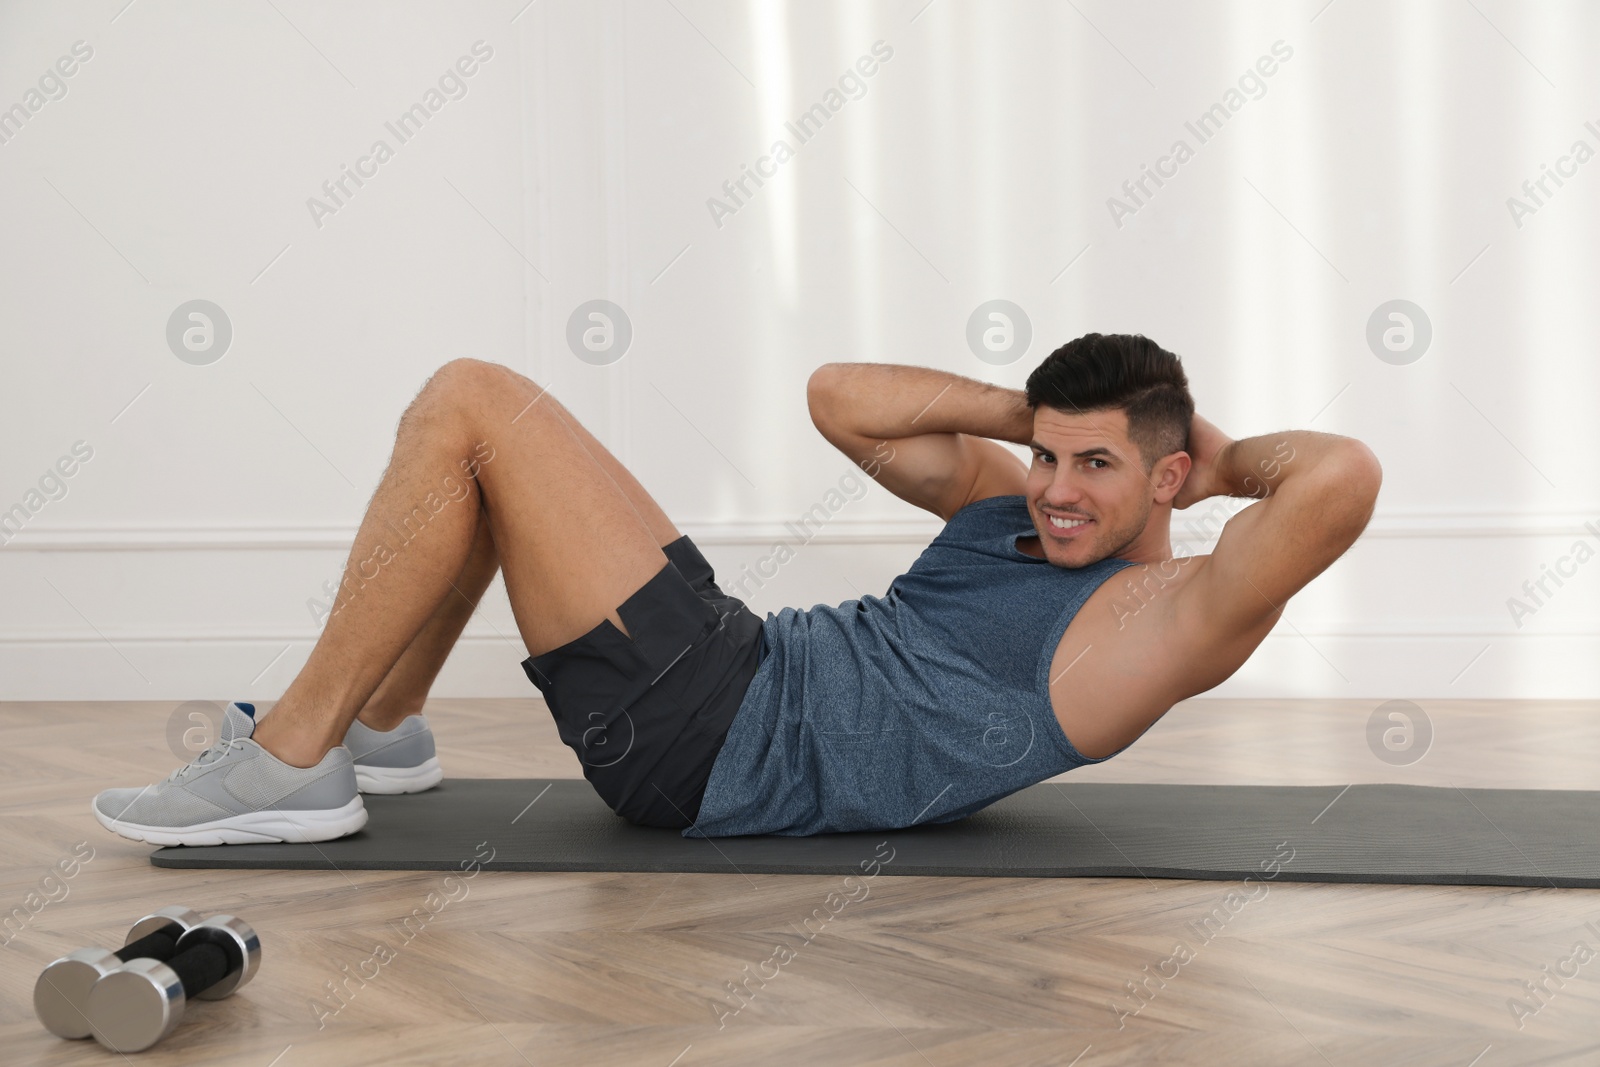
{"type": "Point", "coordinates": [200, 967]}
{"type": "Point", "coordinates": [161, 945]}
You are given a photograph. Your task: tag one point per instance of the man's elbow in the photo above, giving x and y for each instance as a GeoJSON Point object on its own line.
{"type": "Point", "coordinates": [1358, 476]}
{"type": "Point", "coordinates": [1361, 469]}
{"type": "Point", "coordinates": [822, 389]}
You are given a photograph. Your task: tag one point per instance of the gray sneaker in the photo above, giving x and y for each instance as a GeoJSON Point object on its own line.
{"type": "Point", "coordinates": [238, 793]}
{"type": "Point", "coordinates": [401, 760]}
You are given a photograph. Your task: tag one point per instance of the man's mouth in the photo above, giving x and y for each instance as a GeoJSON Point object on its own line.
{"type": "Point", "coordinates": [1066, 526]}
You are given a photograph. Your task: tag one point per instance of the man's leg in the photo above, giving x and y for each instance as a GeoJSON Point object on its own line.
{"type": "Point", "coordinates": [573, 531]}
{"type": "Point", "coordinates": [404, 690]}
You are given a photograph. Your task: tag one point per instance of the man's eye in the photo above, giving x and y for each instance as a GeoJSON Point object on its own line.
{"type": "Point", "coordinates": [1098, 460]}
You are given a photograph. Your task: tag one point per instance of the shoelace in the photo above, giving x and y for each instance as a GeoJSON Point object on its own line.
{"type": "Point", "coordinates": [216, 751]}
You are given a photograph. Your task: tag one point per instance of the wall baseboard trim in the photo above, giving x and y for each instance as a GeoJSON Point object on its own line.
{"type": "Point", "coordinates": [913, 530]}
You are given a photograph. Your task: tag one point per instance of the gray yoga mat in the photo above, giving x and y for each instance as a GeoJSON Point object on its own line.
{"type": "Point", "coordinates": [1356, 833]}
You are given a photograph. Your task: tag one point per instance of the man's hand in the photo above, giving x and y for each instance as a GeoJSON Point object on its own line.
{"type": "Point", "coordinates": [1206, 448]}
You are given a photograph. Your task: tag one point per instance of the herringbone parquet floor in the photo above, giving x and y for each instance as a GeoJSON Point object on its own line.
{"type": "Point", "coordinates": [634, 968]}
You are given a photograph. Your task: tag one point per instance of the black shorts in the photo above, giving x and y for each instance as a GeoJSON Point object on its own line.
{"type": "Point", "coordinates": [648, 715]}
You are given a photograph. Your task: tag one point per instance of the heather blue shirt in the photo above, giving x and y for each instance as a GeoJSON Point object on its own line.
{"type": "Point", "coordinates": [921, 706]}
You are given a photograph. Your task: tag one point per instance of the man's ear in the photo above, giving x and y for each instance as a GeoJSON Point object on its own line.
{"type": "Point", "coordinates": [1169, 474]}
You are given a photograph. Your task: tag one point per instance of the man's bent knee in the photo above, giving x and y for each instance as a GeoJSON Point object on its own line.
{"type": "Point", "coordinates": [471, 389]}
{"type": "Point", "coordinates": [474, 376]}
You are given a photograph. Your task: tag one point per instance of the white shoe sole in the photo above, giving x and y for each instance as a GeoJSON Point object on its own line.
{"type": "Point", "coordinates": [251, 828]}
{"type": "Point", "coordinates": [391, 780]}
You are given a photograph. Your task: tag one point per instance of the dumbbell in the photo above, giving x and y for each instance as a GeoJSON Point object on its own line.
{"type": "Point", "coordinates": [60, 994]}
{"type": "Point", "coordinates": [141, 1001]}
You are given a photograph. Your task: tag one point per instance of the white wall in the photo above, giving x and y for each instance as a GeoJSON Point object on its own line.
{"type": "Point", "coordinates": [1375, 165]}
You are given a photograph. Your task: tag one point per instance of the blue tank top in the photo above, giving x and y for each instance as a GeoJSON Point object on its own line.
{"type": "Point", "coordinates": [921, 706]}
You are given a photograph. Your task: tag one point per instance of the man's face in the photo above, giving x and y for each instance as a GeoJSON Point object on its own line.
{"type": "Point", "coordinates": [1088, 491]}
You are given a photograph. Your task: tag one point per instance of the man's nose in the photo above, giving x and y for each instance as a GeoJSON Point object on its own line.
{"type": "Point", "coordinates": [1064, 490]}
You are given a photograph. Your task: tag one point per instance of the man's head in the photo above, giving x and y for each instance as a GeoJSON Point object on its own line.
{"type": "Point", "coordinates": [1111, 416]}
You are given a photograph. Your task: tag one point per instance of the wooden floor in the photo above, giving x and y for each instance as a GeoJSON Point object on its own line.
{"type": "Point", "coordinates": [633, 968]}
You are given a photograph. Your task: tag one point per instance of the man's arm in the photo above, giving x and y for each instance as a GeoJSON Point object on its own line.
{"type": "Point", "coordinates": [921, 433]}
{"type": "Point", "coordinates": [1315, 491]}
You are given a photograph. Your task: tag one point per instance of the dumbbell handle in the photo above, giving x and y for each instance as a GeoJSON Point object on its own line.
{"type": "Point", "coordinates": [200, 967]}
{"type": "Point", "coordinates": [161, 945]}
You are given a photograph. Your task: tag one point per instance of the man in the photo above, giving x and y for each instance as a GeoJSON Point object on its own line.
{"type": "Point", "coordinates": [1046, 627]}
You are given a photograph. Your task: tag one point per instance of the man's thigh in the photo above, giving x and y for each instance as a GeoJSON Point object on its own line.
{"type": "Point", "coordinates": [661, 527]}
{"type": "Point", "coordinates": [575, 532]}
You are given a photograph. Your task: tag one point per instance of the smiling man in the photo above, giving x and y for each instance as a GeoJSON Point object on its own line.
{"type": "Point", "coordinates": [1004, 656]}
{"type": "Point", "coordinates": [1007, 654]}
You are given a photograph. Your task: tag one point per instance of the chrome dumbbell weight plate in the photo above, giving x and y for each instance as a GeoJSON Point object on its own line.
{"type": "Point", "coordinates": [62, 991]}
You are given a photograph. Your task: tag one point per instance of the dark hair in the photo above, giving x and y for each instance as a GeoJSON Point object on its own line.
{"type": "Point", "coordinates": [1100, 372]}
